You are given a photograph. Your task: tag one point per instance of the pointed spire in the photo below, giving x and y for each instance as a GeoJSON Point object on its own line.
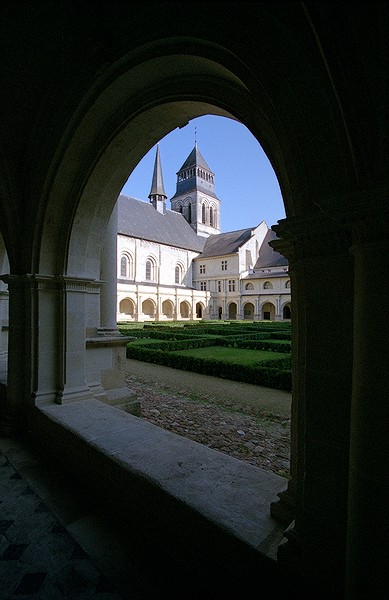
{"type": "Point", "coordinates": [157, 194]}
{"type": "Point", "coordinates": [157, 187]}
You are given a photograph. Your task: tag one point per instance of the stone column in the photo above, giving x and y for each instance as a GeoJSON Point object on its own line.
{"type": "Point", "coordinates": [16, 395]}
{"type": "Point", "coordinates": [108, 270]}
{"type": "Point", "coordinates": [3, 313]}
{"type": "Point", "coordinates": [322, 321]}
{"type": "Point", "coordinates": [78, 317]}
{"type": "Point", "coordinates": [368, 514]}
{"type": "Point", "coordinates": [284, 510]}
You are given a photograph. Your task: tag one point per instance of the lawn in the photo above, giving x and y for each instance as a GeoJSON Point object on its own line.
{"type": "Point", "coordinates": [240, 356]}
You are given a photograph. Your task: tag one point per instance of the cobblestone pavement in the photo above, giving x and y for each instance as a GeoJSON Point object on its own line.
{"type": "Point", "coordinates": [237, 427]}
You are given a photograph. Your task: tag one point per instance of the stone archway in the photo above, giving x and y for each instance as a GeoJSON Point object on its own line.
{"type": "Point", "coordinates": [232, 310]}
{"type": "Point", "coordinates": [97, 136]}
{"type": "Point", "coordinates": [167, 309]}
{"type": "Point", "coordinates": [248, 311]}
{"type": "Point", "coordinates": [287, 311]}
{"type": "Point", "coordinates": [148, 309]}
{"type": "Point", "coordinates": [184, 310]}
{"type": "Point", "coordinates": [199, 310]}
{"type": "Point", "coordinates": [268, 311]}
{"type": "Point", "coordinates": [127, 307]}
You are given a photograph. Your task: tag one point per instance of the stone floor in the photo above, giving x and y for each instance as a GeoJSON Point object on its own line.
{"type": "Point", "coordinates": [39, 558]}
{"type": "Point", "coordinates": [56, 542]}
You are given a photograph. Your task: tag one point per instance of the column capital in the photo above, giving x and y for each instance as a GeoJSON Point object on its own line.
{"type": "Point", "coordinates": [312, 236]}
{"type": "Point", "coordinates": [359, 217]}
{"type": "Point", "coordinates": [34, 281]}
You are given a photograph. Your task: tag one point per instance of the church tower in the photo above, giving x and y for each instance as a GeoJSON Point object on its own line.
{"type": "Point", "coordinates": [195, 195]}
{"type": "Point", "coordinates": [157, 194]}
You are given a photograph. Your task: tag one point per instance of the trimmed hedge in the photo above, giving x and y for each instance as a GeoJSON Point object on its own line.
{"type": "Point", "coordinates": [262, 374]}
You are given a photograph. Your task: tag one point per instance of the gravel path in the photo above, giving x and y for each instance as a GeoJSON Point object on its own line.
{"type": "Point", "coordinates": [249, 422]}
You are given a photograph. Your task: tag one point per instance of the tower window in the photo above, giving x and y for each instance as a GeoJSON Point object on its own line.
{"type": "Point", "coordinates": [203, 213]}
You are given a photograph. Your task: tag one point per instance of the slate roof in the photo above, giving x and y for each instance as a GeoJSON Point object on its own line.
{"type": "Point", "coordinates": [195, 183]}
{"type": "Point", "coordinates": [220, 244]}
{"type": "Point", "coordinates": [141, 220]}
{"type": "Point", "coordinates": [195, 158]}
{"type": "Point", "coordinates": [269, 257]}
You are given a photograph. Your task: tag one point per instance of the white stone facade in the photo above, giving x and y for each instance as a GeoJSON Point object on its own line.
{"type": "Point", "coordinates": [152, 293]}
{"type": "Point", "coordinates": [159, 282]}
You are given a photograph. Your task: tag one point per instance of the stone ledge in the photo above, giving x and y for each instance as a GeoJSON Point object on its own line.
{"type": "Point", "coordinates": [170, 480]}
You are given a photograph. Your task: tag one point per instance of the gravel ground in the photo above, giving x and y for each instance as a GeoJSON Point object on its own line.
{"type": "Point", "coordinates": [249, 422]}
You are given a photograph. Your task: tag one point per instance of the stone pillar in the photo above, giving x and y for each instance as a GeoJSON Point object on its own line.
{"type": "Point", "coordinates": [322, 322]}
{"type": "Point", "coordinates": [78, 317]}
{"type": "Point", "coordinates": [368, 515]}
{"type": "Point", "coordinates": [4, 265]}
{"type": "Point", "coordinates": [284, 510]}
{"type": "Point", "coordinates": [108, 270]}
{"type": "Point", "coordinates": [16, 397]}
{"type": "Point", "coordinates": [105, 354]}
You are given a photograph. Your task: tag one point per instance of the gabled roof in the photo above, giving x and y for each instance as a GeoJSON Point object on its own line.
{"type": "Point", "coordinates": [141, 220]}
{"type": "Point", "coordinates": [226, 243]}
{"type": "Point", "coordinates": [267, 256]}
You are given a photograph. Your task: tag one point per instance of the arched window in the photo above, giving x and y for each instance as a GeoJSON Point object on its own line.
{"type": "Point", "coordinates": [203, 213]}
{"type": "Point", "coordinates": [249, 286]}
{"type": "Point", "coordinates": [267, 285]}
{"type": "Point", "coordinates": [126, 266]}
{"type": "Point", "coordinates": [190, 213]}
{"type": "Point", "coordinates": [150, 270]}
{"type": "Point", "coordinates": [211, 216]}
{"type": "Point", "coordinates": [123, 266]}
{"type": "Point", "coordinates": [178, 274]}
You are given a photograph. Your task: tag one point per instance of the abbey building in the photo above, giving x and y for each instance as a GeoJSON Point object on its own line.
{"type": "Point", "coordinates": [177, 264]}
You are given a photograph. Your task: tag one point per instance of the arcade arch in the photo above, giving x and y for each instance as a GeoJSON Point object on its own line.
{"type": "Point", "coordinates": [248, 311]}
{"type": "Point", "coordinates": [127, 307]}
{"type": "Point", "coordinates": [232, 310]}
{"type": "Point", "coordinates": [184, 310]}
{"type": "Point", "coordinates": [148, 308]}
{"type": "Point", "coordinates": [168, 309]}
{"type": "Point", "coordinates": [268, 311]}
{"type": "Point", "coordinates": [135, 103]}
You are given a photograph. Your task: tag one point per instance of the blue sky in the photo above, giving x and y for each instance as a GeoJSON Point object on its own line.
{"type": "Point", "coordinates": [244, 178]}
